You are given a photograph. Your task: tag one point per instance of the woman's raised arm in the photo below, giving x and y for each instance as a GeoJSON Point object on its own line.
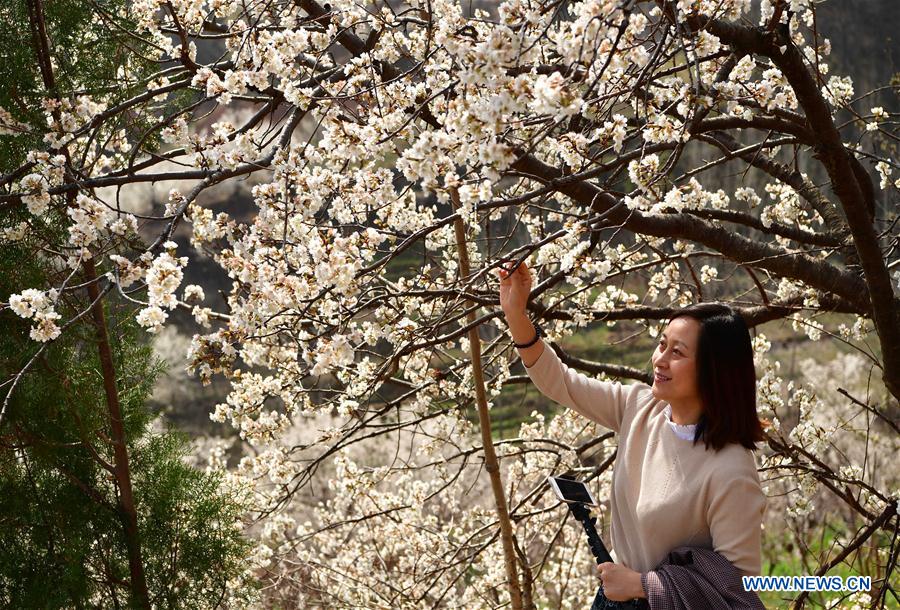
{"type": "Point", "coordinates": [600, 401]}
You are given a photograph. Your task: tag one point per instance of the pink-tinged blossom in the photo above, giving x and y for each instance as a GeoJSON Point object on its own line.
{"type": "Point", "coordinates": [36, 197]}
{"type": "Point", "coordinates": [33, 304]}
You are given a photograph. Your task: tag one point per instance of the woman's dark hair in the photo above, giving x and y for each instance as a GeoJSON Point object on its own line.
{"type": "Point", "coordinates": [726, 377]}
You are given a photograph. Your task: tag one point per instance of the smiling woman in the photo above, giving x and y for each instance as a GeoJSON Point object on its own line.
{"type": "Point", "coordinates": [703, 367]}
{"type": "Point", "coordinates": [675, 370]}
{"type": "Point", "coordinates": [669, 490]}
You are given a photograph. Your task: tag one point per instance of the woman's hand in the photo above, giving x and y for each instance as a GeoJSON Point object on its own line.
{"type": "Point", "coordinates": [514, 288]}
{"type": "Point", "coordinates": [620, 583]}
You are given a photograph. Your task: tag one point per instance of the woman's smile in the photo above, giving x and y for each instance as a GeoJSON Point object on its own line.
{"type": "Point", "coordinates": [674, 367]}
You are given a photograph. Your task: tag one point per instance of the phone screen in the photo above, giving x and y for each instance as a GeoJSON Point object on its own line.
{"type": "Point", "coordinates": [573, 491]}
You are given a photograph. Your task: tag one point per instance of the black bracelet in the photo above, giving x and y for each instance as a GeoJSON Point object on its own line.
{"type": "Point", "coordinates": [538, 333]}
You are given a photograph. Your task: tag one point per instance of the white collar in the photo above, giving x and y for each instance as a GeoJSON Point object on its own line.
{"type": "Point", "coordinates": [682, 431]}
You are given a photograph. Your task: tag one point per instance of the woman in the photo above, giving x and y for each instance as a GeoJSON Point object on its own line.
{"type": "Point", "coordinates": [684, 473]}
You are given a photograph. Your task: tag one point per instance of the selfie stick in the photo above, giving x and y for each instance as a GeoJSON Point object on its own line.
{"type": "Point", "coordinates": [598, 549]}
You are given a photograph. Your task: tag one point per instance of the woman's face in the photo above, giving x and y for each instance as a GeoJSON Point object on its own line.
{"type": "Point", "coordinates": [674, 362]}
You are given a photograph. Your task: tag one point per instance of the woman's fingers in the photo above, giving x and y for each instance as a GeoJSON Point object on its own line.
{"type": "Point", "coordinates": [525, 271]}
{"type": "Point", "coordinates": [521, 273]}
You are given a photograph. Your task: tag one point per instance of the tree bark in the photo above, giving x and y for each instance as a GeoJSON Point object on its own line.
{"type": "Point", "coordinates": [484, 418]}
{"type": "Point", "coordinates": [122, 471]}
{"type": "Point", "coordinates": [816, 273]}
{"type": "Point", "coordinates": [848, 184]}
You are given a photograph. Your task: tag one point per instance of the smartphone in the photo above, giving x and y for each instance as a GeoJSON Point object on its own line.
{"type": "Point", "coordinates": [570, 490]}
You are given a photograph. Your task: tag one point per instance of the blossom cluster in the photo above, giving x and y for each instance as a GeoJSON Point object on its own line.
{"type": "Point", "coordinates": [36, 305]}
{"type": "Point", "coordinates": [163, 278]}
{"type": "Point", "coordinates": [361, 139]}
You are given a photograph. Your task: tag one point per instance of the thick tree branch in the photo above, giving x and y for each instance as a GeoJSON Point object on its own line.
{"type": "Point", "coordinates": [845, 179]}
{"type": "Point", "coordinates": [804, 187]}
{"type": "Point", "coordinates": [814, 272]}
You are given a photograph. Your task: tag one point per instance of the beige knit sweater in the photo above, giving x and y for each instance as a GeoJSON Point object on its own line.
{"type": "Point", "coordinates": [666, 492]}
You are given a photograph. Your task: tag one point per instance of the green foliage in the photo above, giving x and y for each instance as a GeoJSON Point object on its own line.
{"type": "Point", "coordinates": [191, 543]}
{"type": "Point", "coordinates": [95, 53]}
{"type": "Point", "coordinates": [797, 557]}
{"type": "Point", "coordinates": [60, 527]}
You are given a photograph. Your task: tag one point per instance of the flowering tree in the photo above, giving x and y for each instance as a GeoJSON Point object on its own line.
{"type": "Point", "coordinates": [97, 505]}
{"type": "Point", "coordinates": [397, 153]}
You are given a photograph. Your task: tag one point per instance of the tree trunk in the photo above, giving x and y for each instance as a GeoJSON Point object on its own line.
{"type": "Point", "coordinates": [127, 510]}
{"type": "Point", "coordinates": [490, 456]}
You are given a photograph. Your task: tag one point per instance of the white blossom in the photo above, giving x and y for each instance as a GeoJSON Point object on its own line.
{"type": "Point", "coordinates": [884, 170]}
{"type": "Point", "coordinates": [643, 172]}
{"type": "Point", "coordinates": [89, 216]}
{"type": "Point", "coordinates": [15, 233]}
{"type": "Point", "coordinates": [838, 91]}
{"type": "Point", "coordinates": [39, 306]}
{"type": "Point", "coordinates": [9, 126]}
{"type": "Point", "coordinates": [193, 292]}
{"type": "Point", "coordinates": [553, 96]}
{"type": "Point", "coordinates": [37, 197]}
{"type": "Point", "coordinates": [708, 274]}
{"type": "Point", "coordinates": [152, 318]}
